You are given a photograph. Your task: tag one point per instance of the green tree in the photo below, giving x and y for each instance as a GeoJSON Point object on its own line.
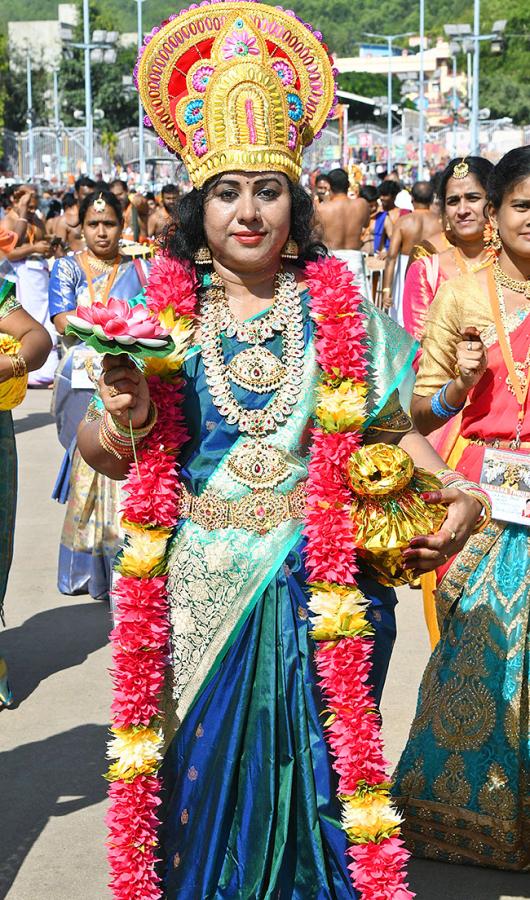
{"type": "Point", "coordinates": [108, 94]}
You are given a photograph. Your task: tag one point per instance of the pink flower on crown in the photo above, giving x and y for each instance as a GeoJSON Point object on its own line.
{"type": "Point", "coordinates": [201, 77]}
{"type": "Point", "coordinates": [284, 72]}
{"type": "Point", "coordinates": [293, 137]}
{"type": "Point", "coordinates": [200, 145]}
{"type": "Point", "coordinates": [240, 43]}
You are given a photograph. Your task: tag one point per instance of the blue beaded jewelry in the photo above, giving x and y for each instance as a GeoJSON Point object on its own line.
{"type": "Point", "coordinates": [445, 411]}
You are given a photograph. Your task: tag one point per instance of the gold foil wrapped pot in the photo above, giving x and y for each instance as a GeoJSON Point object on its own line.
{"type": "Point", "coordinates": [388, 509]}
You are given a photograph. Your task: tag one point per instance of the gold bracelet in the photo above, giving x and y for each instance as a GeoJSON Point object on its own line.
{"type": "Point", "coordinates": [18, 364]}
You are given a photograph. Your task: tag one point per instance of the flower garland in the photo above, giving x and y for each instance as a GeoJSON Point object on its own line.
{"type": "Point", "coordinates": [141, 635]}
{"type": "Point", "coordinates": [140, 638]}
{"type": "Point", "coordinates": [339, 622]}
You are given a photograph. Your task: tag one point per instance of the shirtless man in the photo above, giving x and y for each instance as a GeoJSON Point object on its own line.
{"type": "Point", "coordinates": [423, 224]}
{"type": "Point", "coordinates": [165, 213]}
{"type": "Point", "coordinates": [135, 211]}
{"type": "Point", "coordinates": [67, 226]}
{"type": "Point", "coordinates": [341, 218]}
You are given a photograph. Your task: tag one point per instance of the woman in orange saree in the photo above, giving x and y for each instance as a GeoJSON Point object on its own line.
{"type": "Point", "coordinates": [463, 779]}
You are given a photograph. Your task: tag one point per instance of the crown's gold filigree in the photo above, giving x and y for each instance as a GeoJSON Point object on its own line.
{"type": "Point", "coordinates": [236, 86]}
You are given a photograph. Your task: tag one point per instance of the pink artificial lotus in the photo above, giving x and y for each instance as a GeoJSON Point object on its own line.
{"type": "Point", "coordinates": [117, 321]}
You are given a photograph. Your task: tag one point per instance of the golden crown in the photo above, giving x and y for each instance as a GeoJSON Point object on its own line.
{"type": "Point", "coordinates": [236, 86]}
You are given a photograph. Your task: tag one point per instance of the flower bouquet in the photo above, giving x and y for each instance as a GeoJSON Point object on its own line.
{"type": "Point", "coordinates": [118, 327]}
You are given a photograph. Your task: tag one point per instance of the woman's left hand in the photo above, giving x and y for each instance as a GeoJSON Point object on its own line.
{"type": "Point", "coordinates": [428, 552]}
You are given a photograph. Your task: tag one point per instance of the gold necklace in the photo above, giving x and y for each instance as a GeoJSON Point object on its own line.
{"type": "Point", "coordinates": [102, 265]}
{"type": "Point", "coordinates": [520, 369]}
{"type": "Point", "coordinates": [256, 368]}
{"type": "Point", "coordinates": [519, 287]}
{"type": "Point", "coordinates": [465, 265]}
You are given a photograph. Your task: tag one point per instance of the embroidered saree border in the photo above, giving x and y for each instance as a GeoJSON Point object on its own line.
{"type": "Point", "coordinates": [226, 570]}
{"type": "Point", "coordinates": [454, 580]}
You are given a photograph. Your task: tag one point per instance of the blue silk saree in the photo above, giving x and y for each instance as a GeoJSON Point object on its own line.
{"type": "Point", "coordinates": [90, 538]}
{"type": "Point", "coordinates": [249, 800]}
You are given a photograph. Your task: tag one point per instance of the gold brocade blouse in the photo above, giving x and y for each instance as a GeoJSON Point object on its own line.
{"type": "Point", "coordinates": [459, 303]}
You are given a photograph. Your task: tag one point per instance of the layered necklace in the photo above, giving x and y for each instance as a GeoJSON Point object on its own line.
{"type": "Point", "coordinates": [513, 284]}
{"type": "Point", "coordinates": [255, 368]}
{"type": "Point", "coordinates": [518, 378]}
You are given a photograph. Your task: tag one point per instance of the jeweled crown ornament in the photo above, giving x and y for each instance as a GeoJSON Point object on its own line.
{"type": "Point", "coordinates": [236, 86]}
{"type": "Point", "coordinates": [461, 170]}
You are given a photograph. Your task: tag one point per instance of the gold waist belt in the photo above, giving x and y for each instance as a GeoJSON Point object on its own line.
{"type": "Point", "coordinates": [260, 511]}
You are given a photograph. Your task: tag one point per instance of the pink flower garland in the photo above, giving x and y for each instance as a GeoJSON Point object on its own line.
{"type": "Point", "coordinates": [140, 638]}
{"type": "Point", "coordinates": [344, 664]}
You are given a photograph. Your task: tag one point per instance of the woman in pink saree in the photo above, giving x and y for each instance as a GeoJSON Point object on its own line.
{"type": "Point", "coordinates": [462, 195]}
{"type": "Point", "coordinates": [463, 780]}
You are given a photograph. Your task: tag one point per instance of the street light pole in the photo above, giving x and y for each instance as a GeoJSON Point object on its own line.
{"type": "Point", "coordinates": [389, 38]}
{"type": "Point", "coordinates": [57, 123]}
{"type": "Point", "coordinates": [89, 125]}
{"type": "Point", "coordinates": [421, 136]}
{"type": "Point", "coordinates": [141, 148]}
{"type": "Point", "coordinates": [31, 148]}
{"type": "Point", "coordinates": [389, 111]}
{"type": "Point", "coordinates": [475, 140]}
{"type": "Point", "coordinates": [454, 105]}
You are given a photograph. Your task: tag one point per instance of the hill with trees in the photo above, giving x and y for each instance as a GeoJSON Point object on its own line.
{"type": "Point", "coordinates": [503, 77]}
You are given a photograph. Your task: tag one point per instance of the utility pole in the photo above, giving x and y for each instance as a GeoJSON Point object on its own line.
{"type": "Point", "coordinates": [475, 140]}
{"type": "Point", "coordinates": [57, 123]}
{"type": "Point", "coordinates": [31, 147]}
{"type": "Point", "coordinates": [141, 148]}
{"type": "Point", "coordinates": [89, 124]}
{"type": "Point", "coordinates": [421, 147]}
{"type": "Point", "coordinates": [389, 38]}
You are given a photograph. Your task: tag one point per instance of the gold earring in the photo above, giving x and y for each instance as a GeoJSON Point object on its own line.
{"type": "Point", "coordinates": [492, 237]}
{"type": "Point", "coordinates": [448, 227]}
{"type": "Point", "coordinates": [203, 257]}
{"type": "Point", "coordinates": [290, 250]}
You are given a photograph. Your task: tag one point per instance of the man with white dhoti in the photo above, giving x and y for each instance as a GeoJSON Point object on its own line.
{"type": "Point", "coordinates": [30, 263]}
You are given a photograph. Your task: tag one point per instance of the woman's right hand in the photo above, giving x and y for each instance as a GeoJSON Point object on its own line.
{"type": "Point", "coordinates": [123, 388]}
{"type": "Point", "coordinates": [471, 359]}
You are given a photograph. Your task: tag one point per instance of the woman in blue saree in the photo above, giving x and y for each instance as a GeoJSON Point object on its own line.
{"type": "Point", "coordinates": [250, 807]}
{"type": "Point", "coordinates": [35, 347]}
{"type": "Point", "coordinates": [90, 534]}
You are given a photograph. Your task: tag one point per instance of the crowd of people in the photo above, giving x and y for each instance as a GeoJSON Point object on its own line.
{"type": "Point", "coordinates": [301, 323]}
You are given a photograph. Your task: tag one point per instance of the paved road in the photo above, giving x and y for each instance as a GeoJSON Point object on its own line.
{"type": "Point", "coordinates": [52, 795]}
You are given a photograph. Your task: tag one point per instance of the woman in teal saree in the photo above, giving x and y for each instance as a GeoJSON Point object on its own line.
{"type": "Point", "coordinates": [217, 557]}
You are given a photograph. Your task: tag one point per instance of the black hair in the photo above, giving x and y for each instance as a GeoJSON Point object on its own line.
{"type": "Point", "coordinates": [509, 171]}
{"type": "Point", "coordinates": [182, 239]}
{"type": "Point", "coordinates": [478, 166]}
{"type": "Point", "coordinates": [369, 193]}
{"type": "Point", "coordinates": [423, 192]}
{"type": "Point", "coordinates": [338, 181]}
{"type": "Point", "coordinates": [170, 189]}
{"type": "Point", "coordinates": [54, 209]}
{"type": "Point", "coordinates": [110, 200]}
{"type": "Point", "coordinates": [116, 182]}
{"type": "Point", "coordinates": [389, 188]}
{"type": "Point", "coordinates": [68, 201]}
{"type": "Point", "coordinates": [321, 177]}
{"type": "Point", "coordinates": [149, 195]}
{"type": "Point", "coordinates": [84, 181]}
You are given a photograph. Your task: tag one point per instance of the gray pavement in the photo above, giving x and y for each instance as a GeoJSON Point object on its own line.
{"type": "Point", "coordinates": [52, 746]}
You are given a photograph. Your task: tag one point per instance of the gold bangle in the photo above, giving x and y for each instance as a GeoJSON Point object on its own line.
{"type": "Point", "coordinates": [139, 433]}
{"type": "Point", "coordinates": [18, 364]}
